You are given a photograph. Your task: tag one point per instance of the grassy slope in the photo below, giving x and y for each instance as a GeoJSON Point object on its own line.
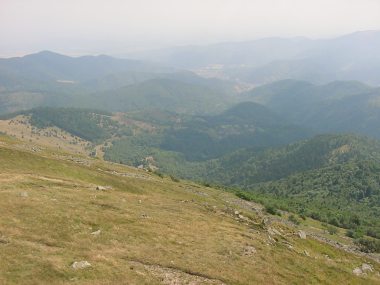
{"type": "Point", "coordinates": [150, 228]}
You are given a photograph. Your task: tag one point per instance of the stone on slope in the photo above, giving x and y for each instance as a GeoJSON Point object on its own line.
{"type": "Point", "coordinates": [81, 264]}
{"type": "Point", "coordinates": [302, 234]}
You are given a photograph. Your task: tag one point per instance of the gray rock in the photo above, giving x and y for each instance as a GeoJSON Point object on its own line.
{"type": "Point", "coordinates": [302, 234]}
{"type": "Point", "coordinates": [357, 271]}
{"type": "Point", "coordinates": [24, 194]}
{"type": "Point", "coordinates": [367, 267]}
{"type": "Point", "coordinates": [363, 269]}
{"type": "Point", "coordinates": [81, 264]}
{"type": "Point", "coordinates": [103, 188]}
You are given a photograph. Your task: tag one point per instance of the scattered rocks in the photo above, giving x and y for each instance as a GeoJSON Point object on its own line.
{"type": "Point", "coordinates": [24, 194]}
{"type": "Point", "coordinates": [81, 264]}
{"type": "Point", "coordinates": [302, 234]}
{"type": "Point", "coordinates": [363, 269]}
{"type": "Point", "coordinates": [345, 247]}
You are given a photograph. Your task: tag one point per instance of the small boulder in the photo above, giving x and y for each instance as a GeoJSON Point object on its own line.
{"type": "Point", "coordinates": [103, 188]}
{"type": "Point", "coordinates": [24, 194]}
{"type": "Point", "coordinates": [302, 234]}
{"type": "Point", "coordinates": [81, 264]}
{"type": "Point", "coordinates": [357, 271]}
{"type": "Point", "coordinates": [96, 233]}
{"type": "Point", "coordinates": [367, 267]}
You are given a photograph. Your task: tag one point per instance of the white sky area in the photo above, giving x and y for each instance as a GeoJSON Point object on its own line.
{"type": "Point", "coordinates": [119, 26]}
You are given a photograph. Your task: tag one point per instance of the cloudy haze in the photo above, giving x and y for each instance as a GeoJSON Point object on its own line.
{"type": "Point", "coordinates": [117, 27]}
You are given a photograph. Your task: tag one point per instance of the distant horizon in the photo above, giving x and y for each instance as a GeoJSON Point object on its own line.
{"type": "Point", "coordinates": [120, 27]}
{"type": "Point", "coordinates": [125, 54]}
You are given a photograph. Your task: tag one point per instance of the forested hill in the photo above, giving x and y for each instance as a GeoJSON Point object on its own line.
{"type": "Point", "coordinates": [244, 125]}
{"type": "Point", "coordinates": [333, 178]}
{"type": "Point", "coordinates": [340, 106]}
{"type": "Point", "coordinates": [249, 166]}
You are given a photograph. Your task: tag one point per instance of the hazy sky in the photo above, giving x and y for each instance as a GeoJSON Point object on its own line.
{"type": "Point", "coordinates": [119, 26]}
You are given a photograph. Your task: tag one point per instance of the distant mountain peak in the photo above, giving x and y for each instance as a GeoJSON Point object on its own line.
{"type": "Point", "coordinates": [45, 53]}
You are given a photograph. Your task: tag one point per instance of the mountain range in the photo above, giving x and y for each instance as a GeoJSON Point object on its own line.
{"type": "Point", "coordinates": [51, 79]}
{"type": "Point", "coordinates": [354, 56]}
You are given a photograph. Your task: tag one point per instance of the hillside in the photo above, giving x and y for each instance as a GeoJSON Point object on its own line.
{"type": "Point", "coordinates": [54, 220]}
{"type": "Point", "coordinates": [250, 166]}
{"type": "Point", "coordinates": [342, 106]}
{"type": "Point", "coordinates": [334, 178]}
{"type": "Point", "coordinates": [233, 149]}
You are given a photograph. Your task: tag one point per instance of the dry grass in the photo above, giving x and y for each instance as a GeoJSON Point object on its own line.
{"type": "Point", "coordinates": [153, 231]}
